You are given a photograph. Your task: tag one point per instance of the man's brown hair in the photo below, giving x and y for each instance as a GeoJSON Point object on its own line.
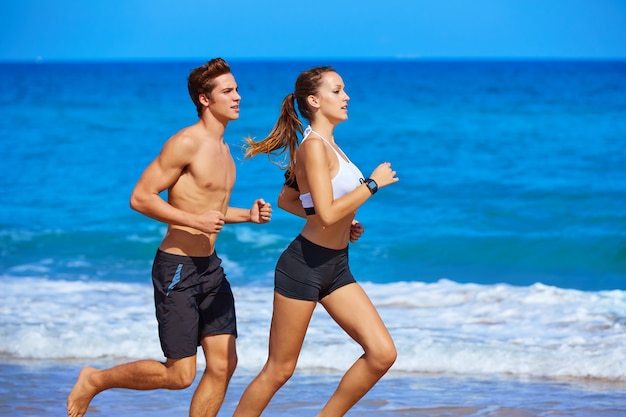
{"type": "Point", "coordinates": [200, 80]}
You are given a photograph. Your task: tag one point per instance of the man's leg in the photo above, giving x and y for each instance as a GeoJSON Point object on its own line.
{"type": "Point", "coordinates": [140, 375]}
{"type": "Point", "coordinates": [221, 360]}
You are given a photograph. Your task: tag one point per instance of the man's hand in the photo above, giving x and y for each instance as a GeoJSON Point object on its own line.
{"type": "Point", "coordinates": [211, 221]}
{"type": "Point", "coordinates": [356, 230]}
{"type": "Point", "coordinates": [261, 212]}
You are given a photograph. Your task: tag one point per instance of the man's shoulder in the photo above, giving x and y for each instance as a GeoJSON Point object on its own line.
{"type": "Point", "coordinates": [187, 137]}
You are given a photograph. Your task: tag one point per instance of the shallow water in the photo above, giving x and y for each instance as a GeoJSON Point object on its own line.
{"type": "Point", "coordinates": [40, 389]}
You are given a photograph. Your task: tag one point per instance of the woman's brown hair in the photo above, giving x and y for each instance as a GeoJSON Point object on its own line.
{"type": "Point", "coordinates": [284, 135]}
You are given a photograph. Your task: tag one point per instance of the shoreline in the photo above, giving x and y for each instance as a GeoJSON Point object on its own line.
{"type": "Point", "coordinates": [41, 364]}
{"type": "Point", "coordinates": [40, 388]}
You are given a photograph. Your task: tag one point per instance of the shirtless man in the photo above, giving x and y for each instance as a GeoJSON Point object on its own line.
{"type": "Point", "coordinates": [193, 299]}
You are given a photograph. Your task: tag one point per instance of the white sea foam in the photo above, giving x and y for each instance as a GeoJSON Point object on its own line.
{"type": "Point", "coordinates": [444, 327]}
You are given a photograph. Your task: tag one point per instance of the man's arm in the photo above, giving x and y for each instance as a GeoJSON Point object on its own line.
{"type": "Point", "coordinates": [160, 175]}
{"type": "Point", "coordinates": [261, 212]}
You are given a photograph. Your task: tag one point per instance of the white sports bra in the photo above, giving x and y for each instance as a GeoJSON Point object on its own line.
{"type": "Point", "coordinates": [347, 179]}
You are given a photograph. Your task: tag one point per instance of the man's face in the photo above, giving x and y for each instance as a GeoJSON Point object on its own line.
{"type": "Point", "coordinates": [224, 99]}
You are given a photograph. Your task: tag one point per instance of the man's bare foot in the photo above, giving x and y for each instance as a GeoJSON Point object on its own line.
{"type": "Point", "coordinates": [82, 393]}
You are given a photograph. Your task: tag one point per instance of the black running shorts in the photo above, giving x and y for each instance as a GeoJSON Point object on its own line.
{"type": "Point", "coordinates": [193, 299]}
{"type": "Point", "coordinates": [307, 271]}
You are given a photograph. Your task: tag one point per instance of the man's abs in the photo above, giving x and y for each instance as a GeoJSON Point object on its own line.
{"type": "Point", "coordinates": [186, 241]}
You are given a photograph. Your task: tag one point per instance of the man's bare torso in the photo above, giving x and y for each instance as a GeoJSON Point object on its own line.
{"type": "Point", "coordinates": [204, 184]}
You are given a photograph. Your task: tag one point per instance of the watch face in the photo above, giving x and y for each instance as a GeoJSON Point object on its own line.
{"type": "Point", "coordinates": [371, 184]}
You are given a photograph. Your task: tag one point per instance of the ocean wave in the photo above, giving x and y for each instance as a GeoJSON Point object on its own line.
{"type": "Point", "coordinates": [443, 327]}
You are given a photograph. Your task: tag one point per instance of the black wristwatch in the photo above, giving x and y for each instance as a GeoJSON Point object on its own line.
{"type": "Point", "coordinates": [371, 185]}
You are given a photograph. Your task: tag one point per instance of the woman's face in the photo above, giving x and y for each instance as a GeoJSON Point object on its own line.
{"type": "Point", "coordinates": [332, 99]}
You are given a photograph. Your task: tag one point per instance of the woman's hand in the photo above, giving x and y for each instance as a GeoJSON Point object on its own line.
{"type": "Point", "coordinates": [356, 230]}
{"type": "Point", "coordinates": [384, 175]}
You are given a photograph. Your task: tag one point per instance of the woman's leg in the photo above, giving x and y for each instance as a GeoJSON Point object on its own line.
{"type": "Point", "coordinates": [352, 309]}
{"type": "Point", "coordinates": [290, 320]}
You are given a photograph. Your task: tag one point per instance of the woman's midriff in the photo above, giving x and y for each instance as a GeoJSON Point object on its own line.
{"type": "Point", "coordinates": [333, 237]}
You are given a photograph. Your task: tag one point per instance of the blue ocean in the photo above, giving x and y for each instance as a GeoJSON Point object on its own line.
{"type": "Point", "coordinates": [498, 261]}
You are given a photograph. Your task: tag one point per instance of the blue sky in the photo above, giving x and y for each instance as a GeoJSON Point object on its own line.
{"type": "Point", "coordinates": [56, 30]}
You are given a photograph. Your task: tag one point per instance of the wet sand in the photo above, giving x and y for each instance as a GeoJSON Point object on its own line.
{"type": "Point", "coordinates": [40, 389]}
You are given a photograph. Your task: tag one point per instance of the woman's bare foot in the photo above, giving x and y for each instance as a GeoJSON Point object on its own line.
{"type": "Point", "coordinates": [82, 393]}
